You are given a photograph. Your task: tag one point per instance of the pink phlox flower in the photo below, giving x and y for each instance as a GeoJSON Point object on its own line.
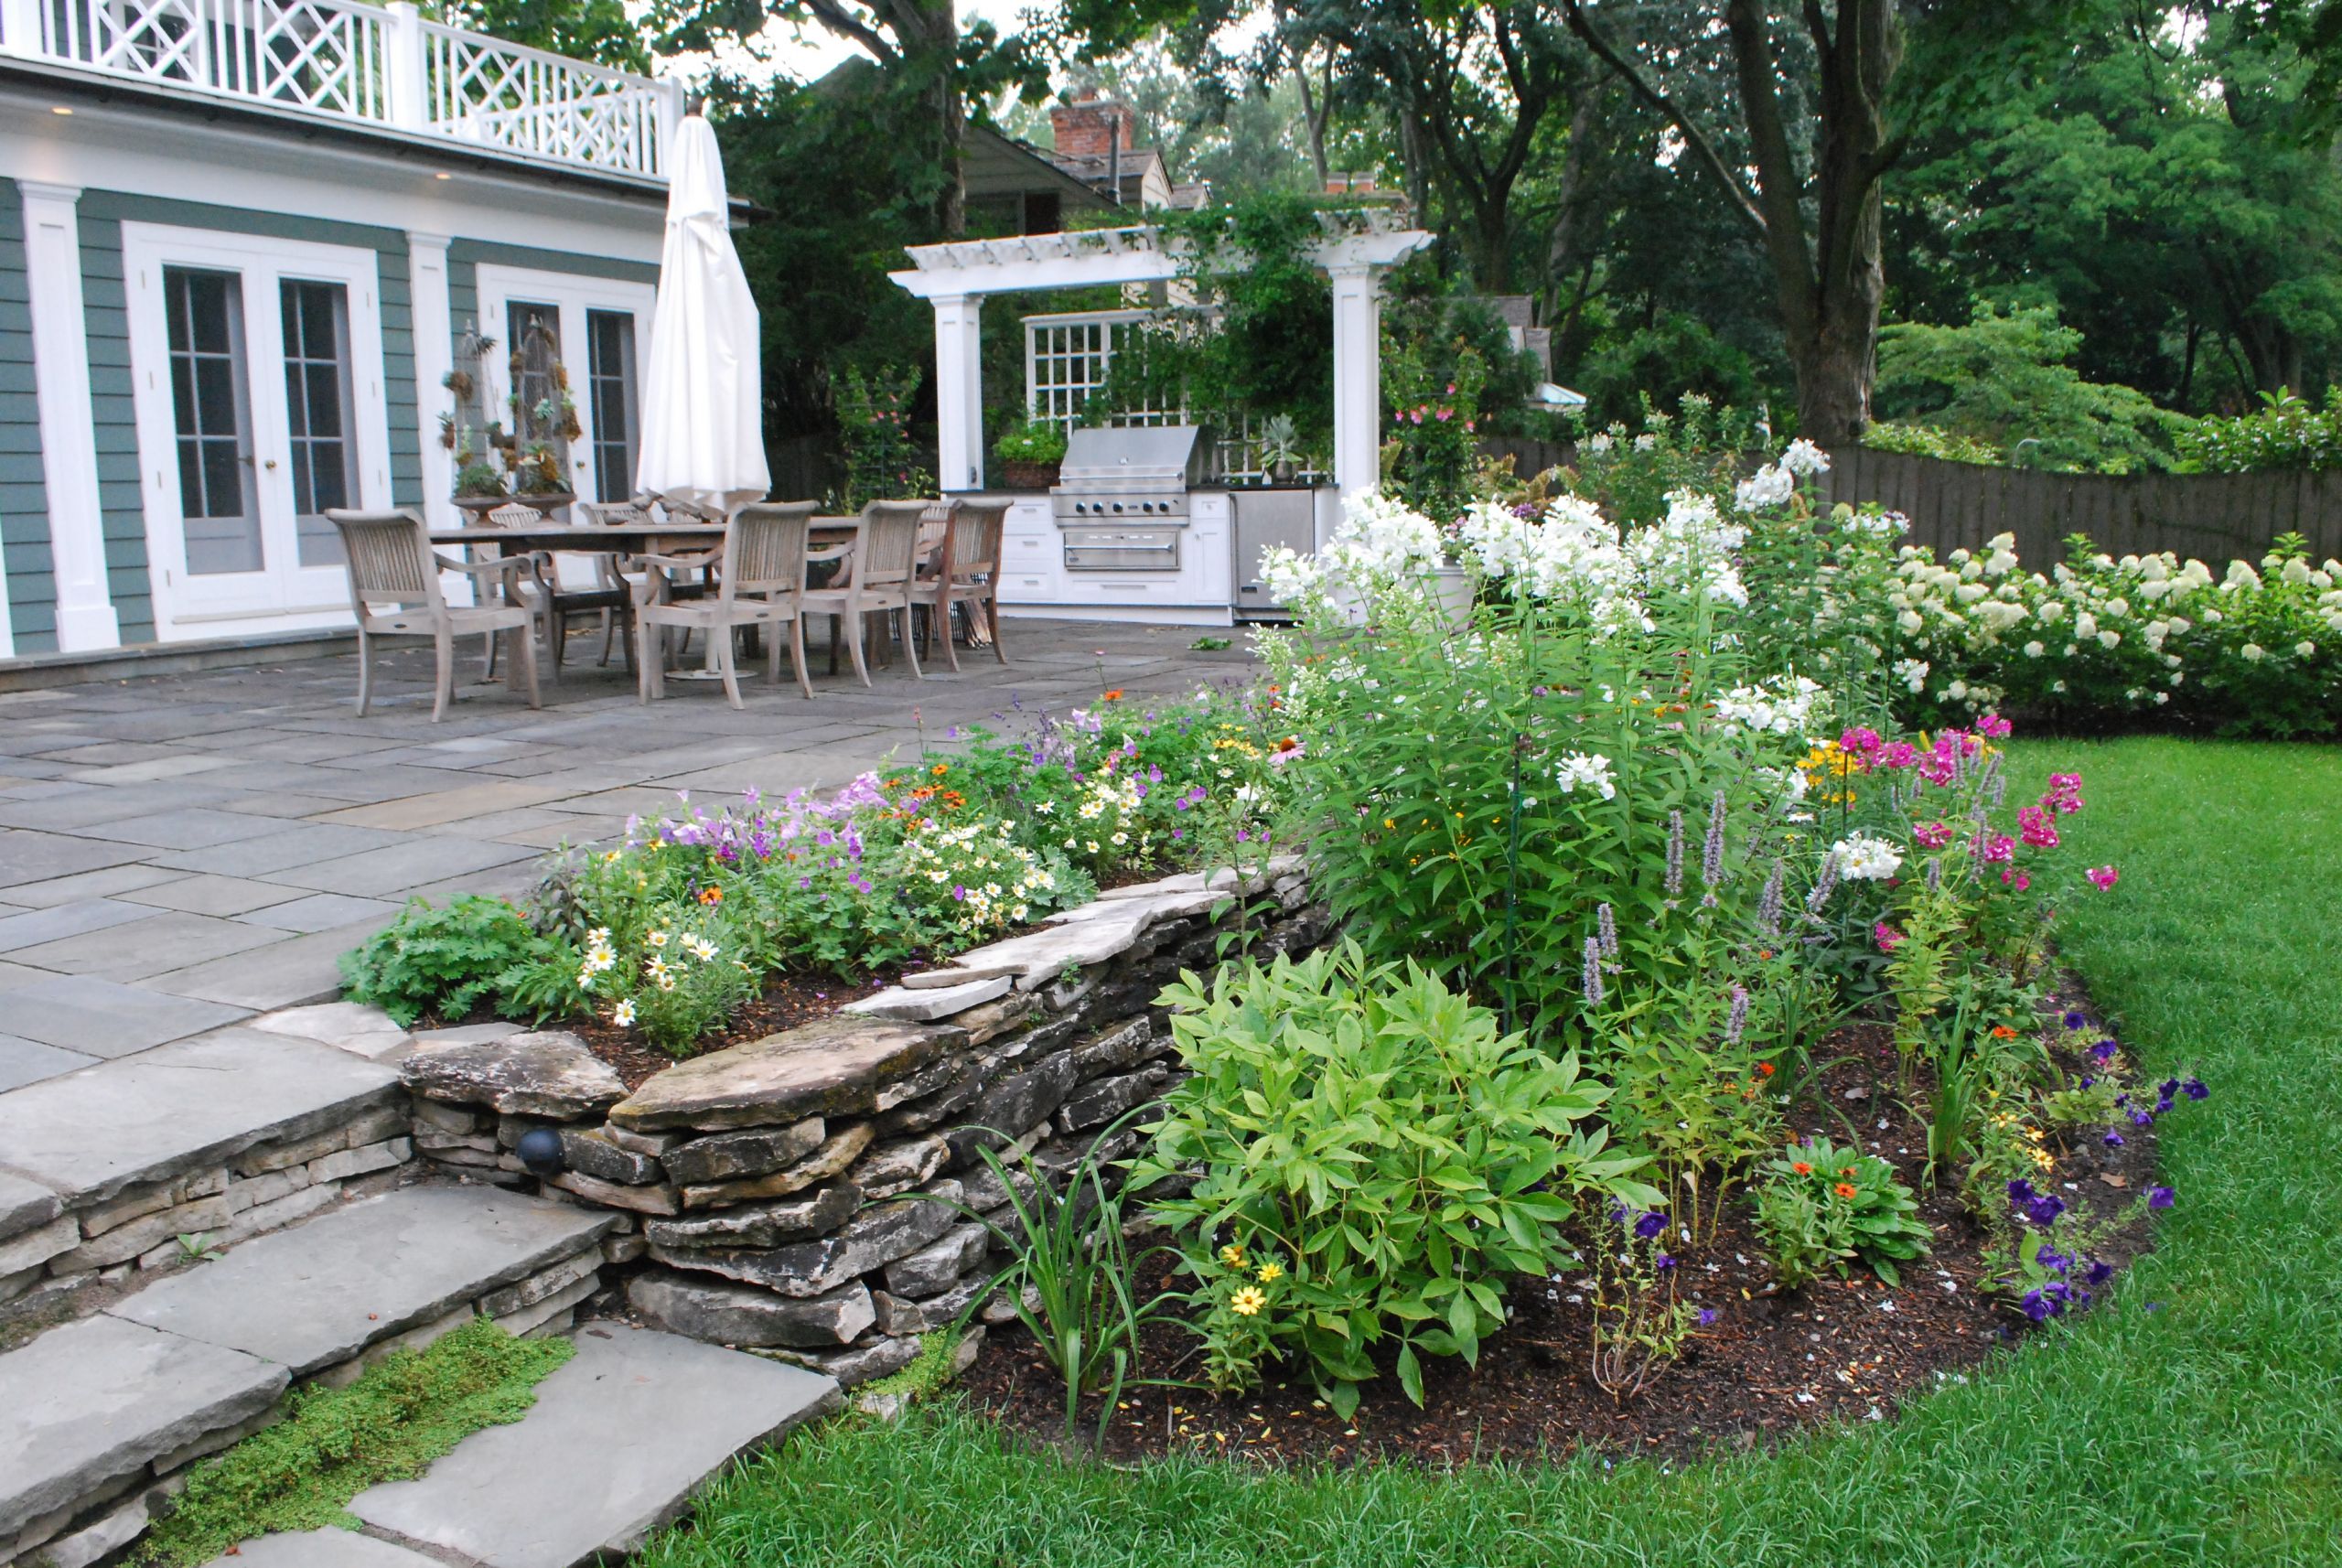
{"type": "Point", "coordinates": [1993, 848]}
{"type": "Point", "coordinates": [1995, 725]}
{"type": "Point", "coordinates": [1898, 754]}
{"type": "Point", "coordinates": [1933, 835]}
{"type": "Point", "coordinates": [2103, 877]}
{"type": "Point", "coordinates": [2017, 879]}
{"type": "Point", "coordinates": [1888, 938]}
{"type": "Point", "coordinates": [2040, 829]}
{"type": "Point", "coordinates": [2064, 796]}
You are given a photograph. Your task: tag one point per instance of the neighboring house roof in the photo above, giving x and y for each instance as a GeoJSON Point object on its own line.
{"type": "Point", "coordinates": [993, 165]}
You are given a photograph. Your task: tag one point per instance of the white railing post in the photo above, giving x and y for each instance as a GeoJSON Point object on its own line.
{"type": "Point", "coordinates": [406, 96]}
{"type": "Point", "coordinates": [20, 27]}
{"type": "Point", "coordinates": [671, 118]}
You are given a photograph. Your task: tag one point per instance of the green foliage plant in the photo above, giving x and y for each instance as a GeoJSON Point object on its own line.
{"type": "Point", "coordinates": [873, 416]}
{"type": "Point", "coordinates": [1919, 440]}
{"type": "Point", "coordinates": [333, 1444]}
{"type": "Point", "coordinates": [1639, 1326]}
{"type": "Point", "coordinates": [2003, 380]}
{"type": "Point", "coordinates": [1070, 1279]}
{"type": "Point", "coordinates": [1035, 441]}
{"type": "Point", "coordinates": [441, 963]}
{"type": "Point", "coordinates": [1822, 1206]}
{"type": "Point", "coordinates": [1371, 1132]}
{"type": "Point", "coordinates": [2285, 434]}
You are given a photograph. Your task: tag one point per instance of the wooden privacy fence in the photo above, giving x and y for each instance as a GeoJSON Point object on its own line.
{"type": "Point", "coordinates": [2214, 517]}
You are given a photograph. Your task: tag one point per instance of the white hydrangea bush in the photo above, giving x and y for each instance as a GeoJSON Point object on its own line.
{"type": "Point", "coordinates": [2106, 639]}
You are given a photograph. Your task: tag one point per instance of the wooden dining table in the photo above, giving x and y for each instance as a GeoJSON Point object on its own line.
{"type": "Point", "coordinates": [625, 538]}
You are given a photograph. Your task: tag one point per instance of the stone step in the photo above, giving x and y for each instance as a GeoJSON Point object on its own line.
{"type": "Point", "coordinates": [617, 1445]}
{"type": "Point", "coordinates": [324, 1292]}
{"type": "Point", "coordinates": [88, 1135]}
{"type": "Point", "coordinates": [323, 1548]}
{"type": "Point", "coordinates": [93, 1405]}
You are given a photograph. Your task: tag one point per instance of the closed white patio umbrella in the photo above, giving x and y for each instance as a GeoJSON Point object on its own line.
{"type": "Point", "coordinates": [702, 427]}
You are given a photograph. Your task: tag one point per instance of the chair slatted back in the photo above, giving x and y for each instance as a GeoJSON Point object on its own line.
{"type": "Point", "coordinates": [389, 556]}
{"type": "Point", "coordinates": [934, 529]}
{"type": "Point", "coordinates": [764, 551]}
{"type": "Point", "coordinates": [887, 545]}
{"type": "Point", "coordinates": [617, 514]}
{"type": "Point", "coordinates": [512, 514]}
{"type": "Point", "coordinates": [976, 540]}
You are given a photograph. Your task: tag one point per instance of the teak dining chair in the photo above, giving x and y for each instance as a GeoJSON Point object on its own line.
{"type": "Point", "coordinates": [762, 584]}
{"type": "Point", "coordinates": [967, 573]}
{"type": "Point", "coordinates": [879, 578]}
{"type": "Point", "coordinates": [391, 563]}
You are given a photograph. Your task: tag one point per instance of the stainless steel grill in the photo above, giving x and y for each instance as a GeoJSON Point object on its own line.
{"type": "Point", "coordinates": [1121, 502]}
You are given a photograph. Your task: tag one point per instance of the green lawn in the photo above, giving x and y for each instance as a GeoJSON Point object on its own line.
{"type": "Point", "coordinates": [2196, 1419]}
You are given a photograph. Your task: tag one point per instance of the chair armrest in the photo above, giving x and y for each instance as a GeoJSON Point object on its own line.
{"type": "Point", "coordinates": [483, 568]}
{"type": "Point", "coordinates": [678, 562]}
{"type": "Point", "coordinates": [819, 553]}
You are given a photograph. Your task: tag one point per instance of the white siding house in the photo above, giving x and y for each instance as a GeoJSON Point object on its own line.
{"type": "Point", "coordinates": [238, 244]}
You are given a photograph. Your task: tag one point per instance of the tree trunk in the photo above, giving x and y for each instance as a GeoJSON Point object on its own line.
{"type": "Point", "coordinates": [1563, 240]}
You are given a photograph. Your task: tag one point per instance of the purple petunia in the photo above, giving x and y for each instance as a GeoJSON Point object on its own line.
{"type": "Point", "coordinates": [2194, 1089]}
{"type": "Point", "coordinates": [1708, 1314]}
{"type": "Point", "coordinates": [2113, 1139]}
{"type": "Point", "coordinates": [2161, 1197]}
{"type": "Point", "coordinates": [1662, 1261]}
{"type": "Point", "coordinates": [1650, 1225]}
{"type": "Point", "coordinates": [2076, 1020]}
{"type": "Point", "coordinates": [2103, 1052]}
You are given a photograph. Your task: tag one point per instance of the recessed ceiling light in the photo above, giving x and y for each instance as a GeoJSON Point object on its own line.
{"type": "Point", "coordinates": [443, 173]}
{"type": "Point", "coordinates": [59, 109]}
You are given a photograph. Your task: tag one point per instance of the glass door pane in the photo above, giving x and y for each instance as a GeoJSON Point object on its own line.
{"type": "Point", "coordinates": [609, 375]}
{"type": "Point", "coordinates": [317, 406]}
{"type": "Point", "coordinates": [212, 412]}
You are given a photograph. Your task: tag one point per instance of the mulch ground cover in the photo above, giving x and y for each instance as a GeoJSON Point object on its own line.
{"type": "Point", "coordinates": [1773, 1361]}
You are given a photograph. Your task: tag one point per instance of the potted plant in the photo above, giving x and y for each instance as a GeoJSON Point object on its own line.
{"type": "Point", "coordinates": [1029, 455]}
{"type": "Point", "coordinates": [1280, 445]}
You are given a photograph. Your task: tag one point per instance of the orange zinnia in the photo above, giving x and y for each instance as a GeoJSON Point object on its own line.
{"type": "Point", "coordinates": [1114, 696]}
{"type": "Point", "coordinates": [1845, 1189]}
{"type": "Point", "coordinates": [2002, 1032]}
{"type": "Point", "coordinates": [1764, 1069]}
{"type": "Point", "coordinates": [1801, 1168]}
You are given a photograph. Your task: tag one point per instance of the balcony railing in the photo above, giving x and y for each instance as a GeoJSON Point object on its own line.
{"type": "Point", "coordinates": [378, 65]}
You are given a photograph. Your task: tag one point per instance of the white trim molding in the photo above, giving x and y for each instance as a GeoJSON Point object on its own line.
{"type": "Point", "coordinates": [434, 355]}
{"type": "Point", "coordinates": [77, 545]}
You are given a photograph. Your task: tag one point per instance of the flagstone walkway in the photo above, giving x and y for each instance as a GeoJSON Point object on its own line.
{"type": "Point", "coordinates": [177, 853]}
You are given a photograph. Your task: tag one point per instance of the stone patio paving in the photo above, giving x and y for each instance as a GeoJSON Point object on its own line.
{"type": "Point", "coordinates": [180, 852]}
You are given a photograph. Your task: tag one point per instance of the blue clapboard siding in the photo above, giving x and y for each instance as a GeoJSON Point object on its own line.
{"type": "Point", "coordinates": [25, 574]}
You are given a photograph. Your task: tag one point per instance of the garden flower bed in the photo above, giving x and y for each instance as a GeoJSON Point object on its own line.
{"type": "Point", "coordinates": [1763, 1361]}
{"type": "Point", "coordinates": [1687, 1057]}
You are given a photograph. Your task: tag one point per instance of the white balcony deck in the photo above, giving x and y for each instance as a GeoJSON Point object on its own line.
{"type": "Point", "coordinates": [382, 66]}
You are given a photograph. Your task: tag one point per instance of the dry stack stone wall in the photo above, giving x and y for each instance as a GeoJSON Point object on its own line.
{"type": "Point", "coordinates": [803, 1194]}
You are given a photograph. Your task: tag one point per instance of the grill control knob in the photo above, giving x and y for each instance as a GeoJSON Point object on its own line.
{"type": "Point", "coordinates": [1118, 506]}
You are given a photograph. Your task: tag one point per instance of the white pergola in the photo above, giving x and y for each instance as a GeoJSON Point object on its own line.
{"type": "Point", "coordinates": [954, 278]}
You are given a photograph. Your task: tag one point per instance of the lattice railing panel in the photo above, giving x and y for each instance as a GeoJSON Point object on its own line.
{"type": "Point", "coordinates": [310, 54]}
{"type": "Point", "coordinates": [482, 90]}
{"type": "Point", "coordinates": [360, 63]}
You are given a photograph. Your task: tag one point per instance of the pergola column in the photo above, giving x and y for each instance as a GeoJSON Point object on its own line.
{"type": "Point", "coordinates": [1357, 374]}
{"type": "Point", "coordinates": [959, 392]}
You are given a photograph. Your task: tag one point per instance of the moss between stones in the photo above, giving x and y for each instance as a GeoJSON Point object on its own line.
{"type": "Point", "coordinates": [333, 1444]}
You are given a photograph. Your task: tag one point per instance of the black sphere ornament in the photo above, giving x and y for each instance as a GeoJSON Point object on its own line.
{"type": "Point", "coordinates": [540, 1150]}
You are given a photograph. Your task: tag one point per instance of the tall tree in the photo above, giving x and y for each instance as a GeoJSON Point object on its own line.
{"type": "Point", "coordinates": [918, 41]}
{"type": "Point", "coordinates": [1815, 210]}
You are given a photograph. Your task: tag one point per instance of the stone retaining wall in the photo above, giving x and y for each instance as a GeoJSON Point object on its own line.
{"type": "Point", "coordinates": [798, 1194]}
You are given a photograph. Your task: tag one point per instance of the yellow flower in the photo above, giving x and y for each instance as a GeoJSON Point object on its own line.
{"type": "Point", "coordinates": [1234, 1256]}
{"type": "Point", "coordinates": [1270, 1272]}
{"type": "Point", "coordinates": [1247, 1302]}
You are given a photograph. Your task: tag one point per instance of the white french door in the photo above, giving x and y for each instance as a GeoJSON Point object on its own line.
{"type": "Point", "coordinates": [601, 332]}
{"type": "Point", "coordinates": [257, 370]}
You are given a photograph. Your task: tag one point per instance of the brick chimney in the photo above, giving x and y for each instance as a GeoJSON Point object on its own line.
{"type": "Point", "coordinates": [1091, 126]}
